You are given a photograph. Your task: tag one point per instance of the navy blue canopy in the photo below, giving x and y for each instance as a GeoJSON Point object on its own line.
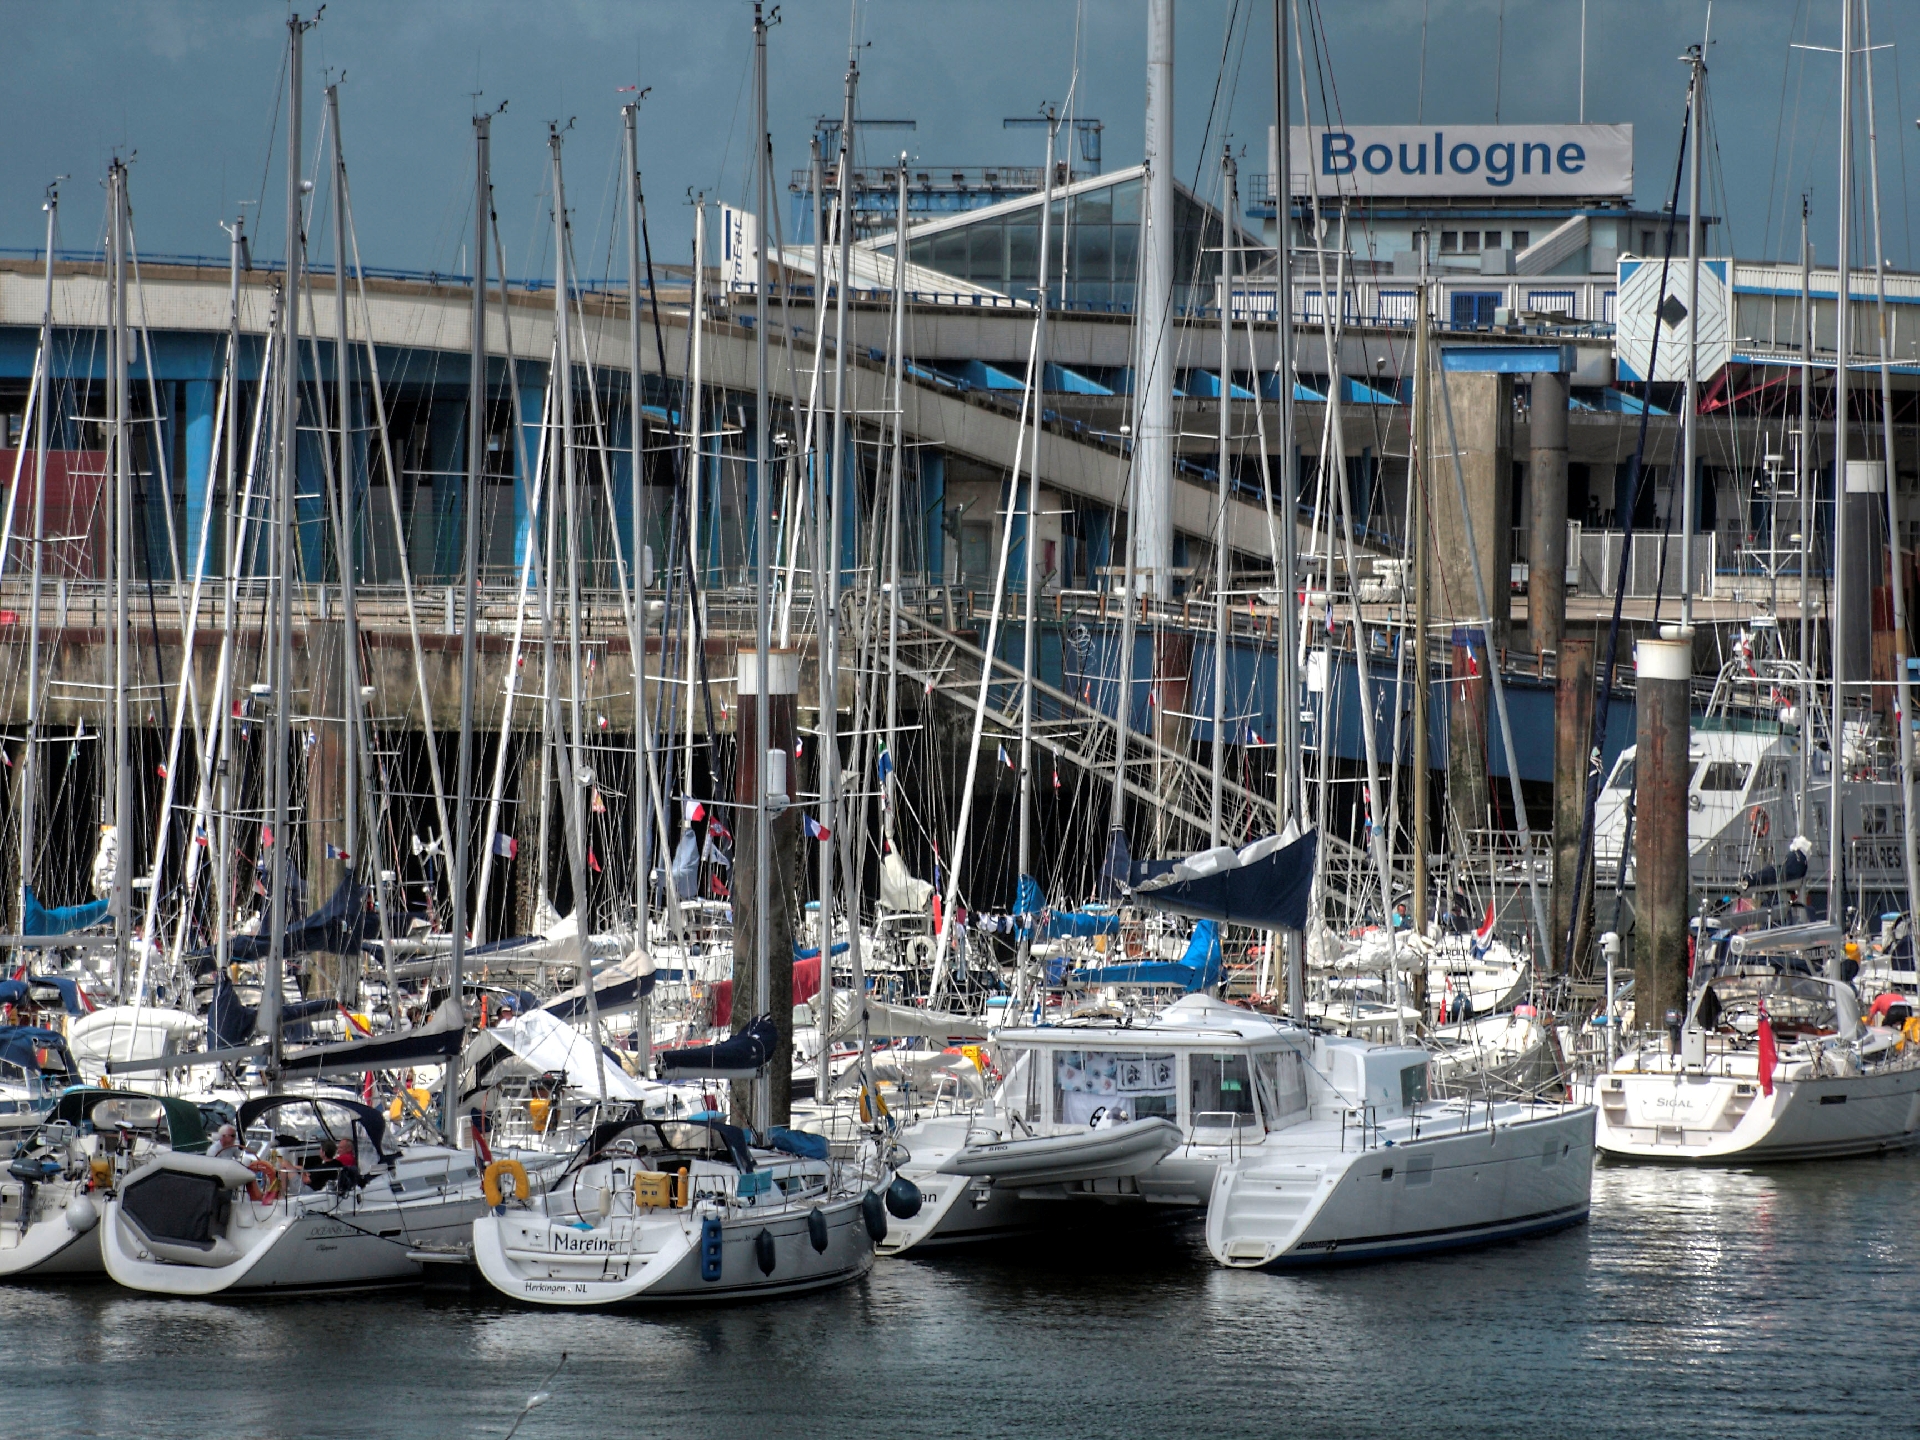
{"type": "Point", "coordinates": [338, 927]}
{"type": "Point", "coordinates": [738, 1057]}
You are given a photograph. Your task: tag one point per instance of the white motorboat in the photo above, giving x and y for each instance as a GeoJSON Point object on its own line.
{"type": "Point", "coordinates": [651, 1212]}
{"type": "Point", "coordinates": [1247, 1093]}
{"type": "Point", "coordinates": [51, 1194]}
{"type": "Point", "coordinates": [286, 1216]}
{"type": "Point", "coordinates": [1773, 1063]}
{"type": "Point", "coordinates": [35, 1068]}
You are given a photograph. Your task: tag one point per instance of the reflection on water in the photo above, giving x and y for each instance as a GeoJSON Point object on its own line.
{"type": "Point", "coordinates": [1696, 1303]}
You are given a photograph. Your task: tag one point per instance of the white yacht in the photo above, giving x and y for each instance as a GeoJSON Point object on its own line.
{"type": "Point", "coordinates": [286, 1215]}
{"type": "Point", "coordinates": [56, 1182]}
{"type": "Point", "coordinates": [1772, 1063]}
{"type": "Point", "coordinates": [661, 1211]}
{"type": "Point", "coordinates": [1266, 1121]}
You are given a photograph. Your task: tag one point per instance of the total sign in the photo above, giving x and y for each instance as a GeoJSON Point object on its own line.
{"type": "Point", "coordinates": [1460, 160]}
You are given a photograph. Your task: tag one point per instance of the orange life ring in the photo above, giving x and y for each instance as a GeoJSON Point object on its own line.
{"type": "Point", "coordinates": [265, 1186]}
{"type": "Point", "coordinates": [1761, 821]}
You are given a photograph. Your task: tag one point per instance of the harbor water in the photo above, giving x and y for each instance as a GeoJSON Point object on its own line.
{"type": "Point", "coordinates": [1696, 1303]}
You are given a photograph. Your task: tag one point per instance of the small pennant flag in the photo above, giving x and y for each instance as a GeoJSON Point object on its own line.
{"type": "Point", "coordinates": [313, 738]}
{"type": "Point", "coordinates": [885, 765]}
{"type": "Point", "coordinates": [1056, 777]}
{"type": "Point", "coordinates": [266, 836]}
{"type": "Point", "coordinates": [593, 862]}
{"type": "Point", "coordinates": [1005, 759]}
{"type": "Point", "coordinates": [506, 846]}
{"type": "Point", "coordinates": [599, 805]}
{"type": "Point", "coordinates": [334, 852]}
{"type": "Point", "coordinates": [200, 835]}
{"type": "Point", "coordinates": [799, 747]}
{"type": "Point", "coordinates": [929, 687]}
{"type": "Point", "coordinates": [161, 771]}
{"type": "Point", "coordinates": [8, 759]}
{"type": "Point", "coordinates": [601, 720]}
{"type": "Point", "coordinates": [717, 830]}
{"type": "Point", "coordinates": [259, 883]}
{"type": "Point", "coordinates": [696, 812]}
{"type": "Point", "coordinates": [590, 662]}
{"type": "Point", "coordinates": [239, 709]}
{"type": "Point", "coordinates": [817, 831]}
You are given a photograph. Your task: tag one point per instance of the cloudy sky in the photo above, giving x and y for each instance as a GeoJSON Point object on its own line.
{"type": "Point", "coordinates": [190, 89]}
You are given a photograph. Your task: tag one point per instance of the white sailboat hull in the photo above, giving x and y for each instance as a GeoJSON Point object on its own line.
{"type": "Point", "coordinates": [1695, 1119]}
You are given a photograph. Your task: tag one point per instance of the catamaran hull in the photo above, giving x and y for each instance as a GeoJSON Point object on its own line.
{"type": "Point", "coordinates": [658, 1261]}
{"type": "Point", "coordinates": [1693, 1119]}
{"type": "Point", "coordinates": [1436, 1193]}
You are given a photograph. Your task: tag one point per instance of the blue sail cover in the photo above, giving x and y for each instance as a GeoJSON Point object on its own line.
{"type": "Point", "coordinates": [37, 919]}
{"type": "Point", "coordinates": [1082, 924]}
{"type": "Point", "coordinates": [1199, 969]}
{"type": "Point", "coordinates": [1269, 892]}
{"type": "Point", "coordinates": [739, 1057]}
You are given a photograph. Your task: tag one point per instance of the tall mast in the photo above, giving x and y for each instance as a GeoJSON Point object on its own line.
{"type": "Point", "coordinates": [695, 451]}
{"type": "Point", "coordinates": [349, 506]}
{"type": "Point", "coordinates": [470, 568]}
{"type": "Point", "coordinates": [893, 494]}
{"type": "Point", "coordinates": [30, 761]}
{"type": "Point", "coordinates": [1286, 780]}
{"type": "Point", "coordinates": [122, 563]}
{"type": "Point", "coordinates": [575, 777]}
{"type": "Point", "coordinates": [222, 838]}
{"type": "Point", "coordinates": [1803, 461]}
{"type": "Point", "coordinates": [1030, 549]}
{"type": "Point", "coordinates": [642, 728]}
{"type": "Point", "coordinates": [1229, 195]}
{"type": "Point", "coordinates": [1690, 468]}
{"type": "Point", "coordinates": [1896, 569]}
{"type": "Point", "coordinates": [1154, 444]}
{"type": "Point", "coordinates": [1837, 618]}
{"type": "Point", "coordinates": [280, 855]}
{"type": "Point", "coordinates": [762, 617]}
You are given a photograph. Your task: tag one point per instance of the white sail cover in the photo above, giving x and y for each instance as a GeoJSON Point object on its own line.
{"type": "Point", "coordinates": [899, 889]}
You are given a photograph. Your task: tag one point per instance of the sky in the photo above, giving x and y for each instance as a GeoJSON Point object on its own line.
{"type": "Point", "coordinates": [190, 91]}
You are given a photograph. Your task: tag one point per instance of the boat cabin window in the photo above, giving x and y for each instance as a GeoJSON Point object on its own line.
{"type": "Point", "coordinates": [1094, 1085]}
{"type": "Point", "coordinates": [1218, 1086]}
{"type": "Point", "coordinates": [1622, 774]}
{"type": "Point", "coordinates": [1024, 1088]}
{"type": "Point", "coordinates": [1413, 1086]}
{"type": "Point", "coordinates": [1280, 1077]}
{"type": "Point", "coordinates": [1723, 775]}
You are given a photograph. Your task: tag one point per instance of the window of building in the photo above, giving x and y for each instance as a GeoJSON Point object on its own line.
{"type": "Point", "coordinates": [1522, 239]}
{"type": "Point", "coordinates": [1491, 239]}
{"type": "Point", "coordinates": [1646, 242]}
{"type": "Point", "coordinates": [1470, 241]}
{"type": "Point", "coordinates": [973, 550]}
{"type": "Point", "coordinates": [1449, 242]}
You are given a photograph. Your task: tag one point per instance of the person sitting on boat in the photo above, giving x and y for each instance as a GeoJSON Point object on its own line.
{"type": "Point", "coordinates": [348, 1177]}
{"type": "Point", "coordinates": [320, 1173]}
{"type": "Point", "coordinates": [226, 1144]}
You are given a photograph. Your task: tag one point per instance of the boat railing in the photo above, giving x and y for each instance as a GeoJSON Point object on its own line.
{"type": "Point", "coordinates": [1231, 1121]}
{"type": "Point", "coordinates": [1365, 1120]}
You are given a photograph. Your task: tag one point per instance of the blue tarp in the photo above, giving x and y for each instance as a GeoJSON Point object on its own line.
{"type": "Point", "coordinates": [37, 919]}
{"type": "Point", "coordinates": [1198, 969]}
{"type": "Point", "coordinates": [1082, 924]}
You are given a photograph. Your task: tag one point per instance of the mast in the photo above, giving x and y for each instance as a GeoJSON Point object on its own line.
{"type": "Point", "coordinates": [283, 542]}
{"type": "Point", "coordinates": [1153, 498]}
{"type": "Point", "coordinates": [1690, 469]}
{"type": "Point", "coordinates": [1837, 618]}
{"type": "Point", "coordinates": [1030, 549]}
{"type": "Point", "coordinates": [1287, 761]}
{"type": "Point", "coordinates": [642, 728]}
{"type": "Point", "coordinates": [470, 566]}
{"type": "Point", "coordinates": [349, 509]}
{"type": "Point", "coordinates": [695, 441]}
{"type": "Point", "coordinates": [30, 762]}
{"type": "Point", "coordinates": [122, 907]}
{"type": "Point", "coordinates": [222, 726]}
{"type": "Point", "coordinates": [1803, 461]}
{"type": "Point", "coordinates": [575, 777]}
{"type": "Point", "coordinates": [763, 859]}
{"type": "Point", "coordinates": [1229, 194]}
{"type": "Point", "coordinates": [1422, 687]}
{"type": "Point", "coordinates": [1897, 572]}
{"type": "Point", "coordinates": [893, 494]}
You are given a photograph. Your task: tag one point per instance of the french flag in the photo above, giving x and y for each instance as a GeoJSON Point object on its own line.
{"type": "Point", "coordinates": [1484, 935]}
{"type": "Point", "coordinates": [817, 831]}
{"type": "Point", "coordinates": [505, 846]}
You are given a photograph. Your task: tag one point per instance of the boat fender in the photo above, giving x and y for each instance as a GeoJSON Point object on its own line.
{"type": "Point", "coordinates": [265, 1185]}
{"type": "Point", "coordinates": [763, 1251]}
{"type": "Point", "coordinates": [903, 1198]}
{"type": "Point", "coordinates": [710, 1248]}
{"type": "Point", "coordinates": [497, 1194]}
{"type": "Point", "coordinates": [817, 1230]}
{"type": "Point", "coordinates": [875, 1214]}
{"type": "Point", "coordinates": [82, 1215]}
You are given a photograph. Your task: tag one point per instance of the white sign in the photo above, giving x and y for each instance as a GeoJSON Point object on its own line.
{"type": "Point", "coordinates": [1641, 307]}
{"type": "Point", "coordinates": [1459, 160]}
{"type": "Point", "coordinates": [739, 248]}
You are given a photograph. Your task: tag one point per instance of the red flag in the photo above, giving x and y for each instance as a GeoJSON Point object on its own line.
{"type": "Point", "coordinates": [1769, 1055]}
{"type": "Point", "coordinates": [593, 862]}
{"type": "Point", "coordinates": [936, 912]}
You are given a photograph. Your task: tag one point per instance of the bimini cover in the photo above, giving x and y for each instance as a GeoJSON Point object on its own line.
{"type": "Point", "coordinates": [738, 1057]}
{"type": "Point", "coordinates": [1082, 924]}
{"type": "Point", "coordinates": [1266, 885]}
{"type": "Point", "coordinates": [38, 919]}
{"type": "Point", "coordinates": [1199, 969]}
